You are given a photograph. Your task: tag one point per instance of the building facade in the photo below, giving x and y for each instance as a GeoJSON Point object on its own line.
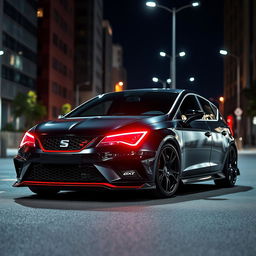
{"type": "Point", "coordinates": [88, 48]}
{"type": "Point", "coordinates": [107, 57]}
{"type": "Point", "coordinates": [55, 54]}
{"type": "Point", "coordinates": [240, 42]}
{"type": "Point", "coordinates": [18, 62]}
{"type": "Point", "coordinates": [119, 75]}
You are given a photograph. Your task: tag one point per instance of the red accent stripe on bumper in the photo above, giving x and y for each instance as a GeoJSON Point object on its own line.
{"type": "Point", "coordinates": [71, 184]}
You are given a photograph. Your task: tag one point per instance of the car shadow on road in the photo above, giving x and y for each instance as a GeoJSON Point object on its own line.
{"type": "Point", "coordinates": [126, 200]}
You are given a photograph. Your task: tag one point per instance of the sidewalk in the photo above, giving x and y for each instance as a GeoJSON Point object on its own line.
{"type": "Point", "coordinates": [247, 151]}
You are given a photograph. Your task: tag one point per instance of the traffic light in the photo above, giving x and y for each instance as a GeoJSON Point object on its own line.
{"type": "Point", "coordinates": [230, 122]}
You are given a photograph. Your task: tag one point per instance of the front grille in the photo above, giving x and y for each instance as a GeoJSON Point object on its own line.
{"type": "Point", "coordinates": [64, 143]}
{"type": "Point", "coordinates": [62, 173]}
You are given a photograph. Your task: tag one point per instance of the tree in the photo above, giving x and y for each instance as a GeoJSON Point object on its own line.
{"type": "Point", "coordinates": [65, 108]}
{"type": "Point", "coordinates": [26, 105]}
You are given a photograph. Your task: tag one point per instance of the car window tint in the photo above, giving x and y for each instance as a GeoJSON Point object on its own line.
{"type": "Point", "coordinates": [208, 111]}
{"type": "Point", "coordinates": [189, 103]}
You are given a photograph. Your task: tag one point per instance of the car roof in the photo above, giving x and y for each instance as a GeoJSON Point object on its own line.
{"type": "Point", "coordinates": [155, 90]}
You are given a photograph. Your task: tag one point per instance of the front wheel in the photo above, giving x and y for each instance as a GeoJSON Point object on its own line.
{"type": "Point", "coordinates": [44, 191]}
{"type": "Point", "coordinates": [230, 170]}
{"type": "Point", "coordinates": [167, 173]}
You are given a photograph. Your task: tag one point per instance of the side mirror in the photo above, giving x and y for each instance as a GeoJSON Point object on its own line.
{"type": "Point", "coordinates": [193, 115]}
{"type": "Point", "coordinates": [60, 116]}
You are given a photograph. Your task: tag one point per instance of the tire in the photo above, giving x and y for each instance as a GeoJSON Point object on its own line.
{"type": "Point", "coordinates": [44, 191]}
{"type": "Point", "coordinates": [167, 171]}
{"type": "Point", "coordinates": [230, 170]}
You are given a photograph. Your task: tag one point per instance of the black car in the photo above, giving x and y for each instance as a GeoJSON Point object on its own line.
{"type": "Point", "coordinates": [150, 139]}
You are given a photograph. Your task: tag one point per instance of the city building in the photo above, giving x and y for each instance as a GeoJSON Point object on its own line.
{"type": "Point", "coordinates": [18, 58]}
{"type": "Point", "coordinates": [119, 75]}
{"type": "Point", "coordinates": [240, 42]}
{"type": "Point", "coordinates": [88, 49]}
{"type": "Point", "coordinates": [55, 54]}
{"type": "Point", "coordinates": [107, 57]}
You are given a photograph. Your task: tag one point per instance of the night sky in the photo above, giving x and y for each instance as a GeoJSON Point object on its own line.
{"type": "Point", "coordinates": [143, 32]}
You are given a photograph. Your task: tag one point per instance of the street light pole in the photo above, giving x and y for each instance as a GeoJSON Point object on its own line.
{"type": "Point", "coordinates": [238, 118]}
{"type": "Point", "coordinates": [238, 100]}
{"type": "Point", "coordinates": [181, 54]}
{"type": "Point", "coordinates": [173, 59]}
{"type": "Point", "coordinates": [173, 11]}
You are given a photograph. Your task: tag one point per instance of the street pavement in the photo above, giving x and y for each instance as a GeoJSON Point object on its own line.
{"type": "Point", "coordinates": [200, 220]}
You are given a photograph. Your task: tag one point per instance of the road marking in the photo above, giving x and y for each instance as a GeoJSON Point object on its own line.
{"type": "Point", "coordinates": [7, 179]}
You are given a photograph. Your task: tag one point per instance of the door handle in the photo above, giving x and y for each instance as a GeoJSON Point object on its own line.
{"type": "Point", "coordinates": [208, 134]}
{"type": "Point", "coordinates": [224, 133]}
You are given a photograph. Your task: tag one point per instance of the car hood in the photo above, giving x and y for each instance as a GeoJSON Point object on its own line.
{"type": "Point", "coordinates": [95, 125]}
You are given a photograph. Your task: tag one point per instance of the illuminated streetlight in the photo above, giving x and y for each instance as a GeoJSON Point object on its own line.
{"type": "Point", "coordinates": [192, 79]}
{"type": "Point", "coordinates": [173, 11]}
{"type": "Point", "coordinates": [223, 52]}
{"type": "Point", "coordinates": [163, 54]}
{"type": "Point", "coordinates": [221, 99]}
{"type": "Point", "coordinates": [1, 52]}
{"type": "Point", "coordinates": [155, 79]}
{"type": "Point", "coordinates": [169, 80]}
{"type": "Point", "coordinates": [151, 4]}
{"type": "Point", "coordinates": [195, 4]}
{"type": "Point", "coordinates": [182, 54]}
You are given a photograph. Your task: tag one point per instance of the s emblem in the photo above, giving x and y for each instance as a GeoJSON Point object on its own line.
{"type": "Point", "coordinates": [64, 143]}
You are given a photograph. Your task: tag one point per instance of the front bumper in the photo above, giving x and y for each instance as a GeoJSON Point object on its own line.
{"type": "Point", "coordinates": [69, 171]}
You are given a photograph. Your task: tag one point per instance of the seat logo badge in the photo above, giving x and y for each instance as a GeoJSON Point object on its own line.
{"type": "Point", "coordinates": [64, 143]}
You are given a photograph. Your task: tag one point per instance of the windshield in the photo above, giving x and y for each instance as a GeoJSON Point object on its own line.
{"type": "Point", "coordinates": [127, 104]}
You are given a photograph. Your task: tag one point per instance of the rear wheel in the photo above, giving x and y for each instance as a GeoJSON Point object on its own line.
{"type": "Point", "coordinates": [44, 191]}
{"type": "Point", "coordinates": [230, 170]}
{"type": "Point", "coordinates": [167, 173]}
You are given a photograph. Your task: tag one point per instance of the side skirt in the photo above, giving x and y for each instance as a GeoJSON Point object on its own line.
{"type": "Point", "coordinates": [212, 176]}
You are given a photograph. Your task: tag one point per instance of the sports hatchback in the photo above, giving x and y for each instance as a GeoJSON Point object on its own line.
{"type": "Point", "coordinates": [152, 139]}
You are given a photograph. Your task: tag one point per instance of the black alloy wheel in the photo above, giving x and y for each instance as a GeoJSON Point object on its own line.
{"type": "Point", "coordinates": [230, 170]}
{"type": "Point", "coordinates": [167, 171]}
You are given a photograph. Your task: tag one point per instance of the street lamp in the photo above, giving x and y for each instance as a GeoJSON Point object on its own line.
{"type": "Point", "coordinates": [192, 79]}
{"type": "Point", "coordinates": [157, 80]}
{"type": "Point", "coordinates": [221, 99]}
{"type": "Point", "coordinates": [237, 58]}
{"type": "Point", "coordinates": [169, 80]}
{"type": "Point", "coordinates": [1, 52]}
{"type": "Point", "coordinates": [164, 54]}
{"type": "Point", "coordinates": [180, 54]}
{"type": "Point", "coordinates": [173, 11]}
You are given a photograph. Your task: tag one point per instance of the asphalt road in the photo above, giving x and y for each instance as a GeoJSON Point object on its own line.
{"type": "Point", "coordinates": [200, 220]}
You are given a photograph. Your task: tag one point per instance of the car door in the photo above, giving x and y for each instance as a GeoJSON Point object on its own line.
{"type": "Point", "coordinates": [219, 133]}
{"type": "Point", "coordinates": [196, 138]}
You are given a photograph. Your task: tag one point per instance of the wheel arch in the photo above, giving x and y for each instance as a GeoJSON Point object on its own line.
{"type": "Point", "coordinates": [168, 139]}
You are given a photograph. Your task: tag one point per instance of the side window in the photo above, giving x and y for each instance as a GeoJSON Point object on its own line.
{"type": "Point", "coordinates": [208, 111]}
{"type": "Point", "coordinates": [189, 103]}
